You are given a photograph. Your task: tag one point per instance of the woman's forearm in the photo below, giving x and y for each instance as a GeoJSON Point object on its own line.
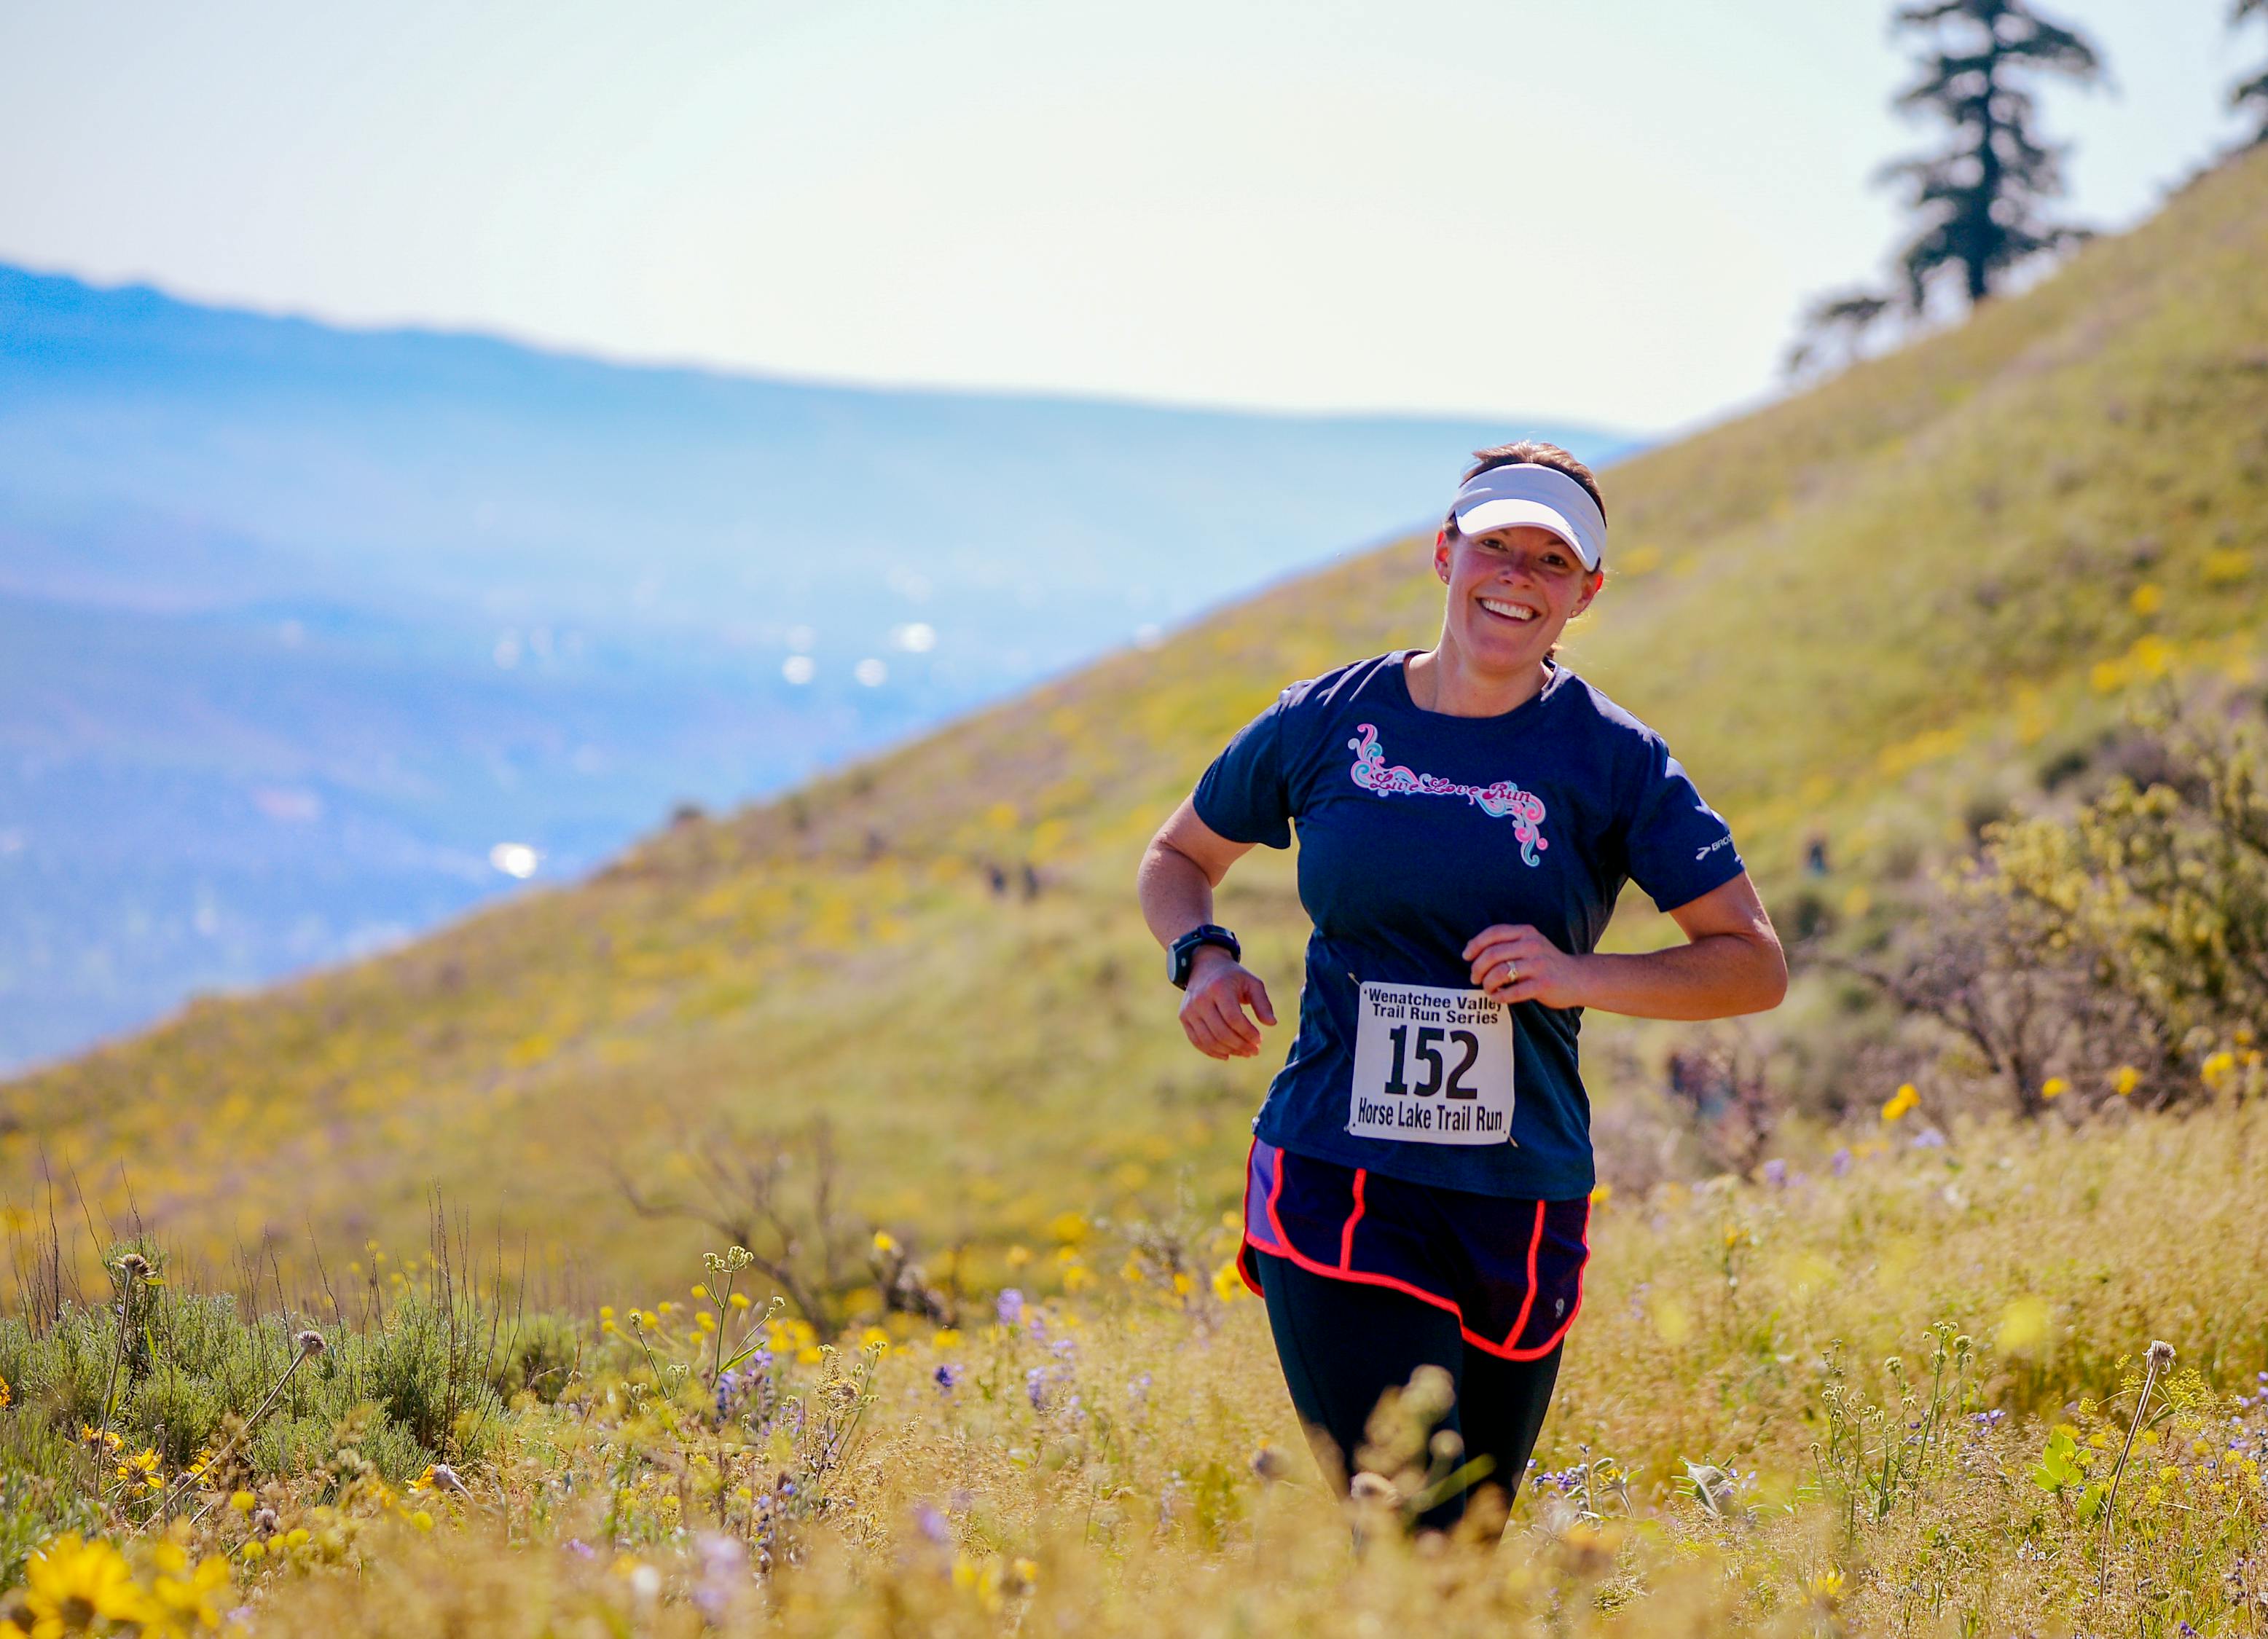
{"type": "Point", "coordinates": [1175, 893]}
{"type": "Point", "coordinates": [1714, 976]}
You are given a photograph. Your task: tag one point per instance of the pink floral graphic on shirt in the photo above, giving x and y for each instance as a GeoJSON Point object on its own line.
{"type": "Point", "coordinates": [1503, 799]}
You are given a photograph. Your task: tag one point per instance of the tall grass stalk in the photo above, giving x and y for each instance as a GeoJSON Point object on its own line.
{"type": "Point", "coordinates": [309, 1344]}
{"type": "Point", "coordinates": [131, 1269]}
{"type": "Point", "coordinates": [2160, 1354]}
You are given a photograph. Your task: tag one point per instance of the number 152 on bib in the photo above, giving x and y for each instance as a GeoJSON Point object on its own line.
{"type": "Point", "coordinates": [1432, 1066]}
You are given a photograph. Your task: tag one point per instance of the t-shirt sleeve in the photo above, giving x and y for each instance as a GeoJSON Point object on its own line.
{"type": "Point", "coordinates": [1244, 795]}
{"type": "Point", "coordinates": [1678, 847]}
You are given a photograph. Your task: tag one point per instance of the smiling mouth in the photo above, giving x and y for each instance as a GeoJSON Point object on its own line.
{"type": "Point", "coordinates": [1505, 611]}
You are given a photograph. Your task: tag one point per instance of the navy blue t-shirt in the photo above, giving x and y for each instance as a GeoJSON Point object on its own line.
{"type": "Point", "coordinates": [1418, 829]}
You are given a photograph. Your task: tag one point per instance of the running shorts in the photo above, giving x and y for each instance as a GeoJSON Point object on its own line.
{"type": "Point", "coordinates": [1511, 1271]}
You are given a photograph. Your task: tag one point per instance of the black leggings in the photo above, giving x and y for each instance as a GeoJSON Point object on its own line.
{"type": "Point", "coordinates": [1343, 1345]}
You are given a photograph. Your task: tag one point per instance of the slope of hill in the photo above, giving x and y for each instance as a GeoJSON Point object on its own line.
{"type": "Point", "coordinates": [1865, 616]}
{"type": "Point", "coordinates": [296, 623]}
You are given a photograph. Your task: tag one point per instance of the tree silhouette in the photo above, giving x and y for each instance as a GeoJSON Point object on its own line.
{"type": "Point", "coordinates": [1843, 316]}
{"type": "Point", "coordinates": [1979, 199]}
{"type": "Point", "coordinates": [2253, 94]}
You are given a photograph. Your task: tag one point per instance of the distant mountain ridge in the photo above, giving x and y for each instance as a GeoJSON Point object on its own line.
{"type": "Point", "coordinates": [298, 622]}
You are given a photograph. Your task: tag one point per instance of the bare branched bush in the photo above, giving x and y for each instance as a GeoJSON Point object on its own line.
{"type": "Point", "coordinates": [1719, 1079]}
{"type": "Point", "coordinates": [779, 1196]}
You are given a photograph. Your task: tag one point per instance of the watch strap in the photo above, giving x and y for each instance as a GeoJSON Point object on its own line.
{"type": "Point", "coordinates": [1181, 958]}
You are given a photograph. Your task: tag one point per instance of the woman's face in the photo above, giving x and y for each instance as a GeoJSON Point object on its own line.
{"type": "Point", "coordinates": [1511, 592]}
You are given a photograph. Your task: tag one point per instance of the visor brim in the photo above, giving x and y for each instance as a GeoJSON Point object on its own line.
{"type": "Point", "coordinates": [1507, 512]}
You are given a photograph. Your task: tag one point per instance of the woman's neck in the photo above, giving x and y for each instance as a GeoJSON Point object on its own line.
{"type": "Point", "coordinates": [1440, 680]}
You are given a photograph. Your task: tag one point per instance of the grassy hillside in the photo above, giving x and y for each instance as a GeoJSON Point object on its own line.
{"type": "Point", "coordinates": [1874, 613]}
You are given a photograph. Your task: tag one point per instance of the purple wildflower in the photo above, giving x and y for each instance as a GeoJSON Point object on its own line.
{"type": "Point", "coordinates": [1009, 1306]}
{"type": "Point", "coordinates": [948, 1378]}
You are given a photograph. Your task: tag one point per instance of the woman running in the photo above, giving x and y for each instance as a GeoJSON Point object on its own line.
{"type": "Point", "coordinates": [1418, 1191]}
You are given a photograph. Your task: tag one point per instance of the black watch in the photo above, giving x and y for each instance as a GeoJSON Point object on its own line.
{"type": "Point", "coordinates": [1182, 955]}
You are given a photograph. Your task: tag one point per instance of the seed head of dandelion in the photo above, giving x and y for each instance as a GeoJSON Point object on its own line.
{"type": "Point", "coordinates": [135, 1265]}
{"type": "Point", "coordinates": [310, 1343]}
{"type": "Point", "coordinates": [2162, 1354]}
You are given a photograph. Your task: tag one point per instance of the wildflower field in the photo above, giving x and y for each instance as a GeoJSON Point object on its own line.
{"type": "Point", "coordinates": [1903, 1392]}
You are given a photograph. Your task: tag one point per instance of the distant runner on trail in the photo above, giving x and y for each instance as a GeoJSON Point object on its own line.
{"type": "Point", "coordinates": [1419, 1185]}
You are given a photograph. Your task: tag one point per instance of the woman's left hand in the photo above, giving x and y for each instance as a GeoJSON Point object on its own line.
{"type": "Point", "coordinates": [1512, 962]}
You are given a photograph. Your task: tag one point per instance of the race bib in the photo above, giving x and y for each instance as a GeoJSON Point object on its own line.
{"type": "Point", "coordinates": [1432, 1067]}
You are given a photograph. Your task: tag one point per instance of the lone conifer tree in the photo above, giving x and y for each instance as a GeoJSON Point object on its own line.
{"type": "Point", "coordinates": [1979, 198]}
{"type": "Point", "coordinates": [2253, 94]}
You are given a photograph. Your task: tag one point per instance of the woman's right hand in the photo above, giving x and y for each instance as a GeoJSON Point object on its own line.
{"type": "Point", "coordinates": [1212, 1009]}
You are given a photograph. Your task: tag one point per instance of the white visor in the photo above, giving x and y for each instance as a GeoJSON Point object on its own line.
{"type": "Point", "coordinates": [1503, 498]}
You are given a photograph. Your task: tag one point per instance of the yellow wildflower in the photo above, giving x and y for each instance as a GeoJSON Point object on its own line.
{"type": "Point", "coordinates": [738, 1300]}
{"type": "Point", "coordinates": [71, 1584]}
{"type": "Point", "coordinates": [946, 1337]}
{"type": "Point", "coordinates": [242, 1501]}
{"type": "Point", "coordinates": [187, 1598]}
{"type": "Point", "coordinates": [2124, 1080]}
{"type": "Point", "coordinates": [885, 1242]}
{"type": "Point", "coordinates": [1227, 1285]}
{"type": "Point", "coordinates": [2054, 1087]}
{"type": "Point", "coordinates": [1901, 1101]}
{"type": "Point", "coordinates": [2024, 1327]}
{"type": "Point", "coordinates": [1600, 1191]}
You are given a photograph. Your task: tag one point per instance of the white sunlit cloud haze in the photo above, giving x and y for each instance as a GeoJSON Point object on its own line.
{"type": "Point", "coordinates": [1608, 212]}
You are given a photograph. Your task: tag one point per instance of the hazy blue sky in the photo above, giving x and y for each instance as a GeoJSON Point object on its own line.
{"type": "Point", "coordinates": [1605, 210]}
